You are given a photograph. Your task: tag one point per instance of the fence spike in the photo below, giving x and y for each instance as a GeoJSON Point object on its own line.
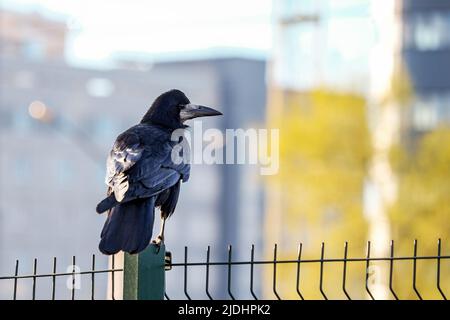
{"type": "Point", "coordinates": [73, 277]}
{"type": "Point", "coordinates": [252, 259]}
{"type": "Point", "coordinates": [367, 270]}
{"type": "Point", "coordinates": [230, 248]}
{"type": "Point", "coordinates": [344, 271]}
{"type": "Point", "coordinates": [185, 272]}
{"type": "Point", "coordinates": [391, 271]}
{"type": "Point", "coordinates": [274, 284]}
{"type": "Point", "coordinates": [34, 278]}
{"type": "Point", "coordinates": [438, 279]}
{"type": "Point", "coordinates": [299, 258]}
{"type": "Point", "coordinates": [93, 278]}
{"type": "Point", "coordinates": [207, 273]}
{"type": "Point", "coordinates": [415, 270]}
{"type": "Point", "coordinates": [113, 278]}
{"type": "Point", "coordinates": [16, 273]}
{"type": "Point", "coordinates": [322, 252]}
{"type": "Point", "coordinates": [54, 279]}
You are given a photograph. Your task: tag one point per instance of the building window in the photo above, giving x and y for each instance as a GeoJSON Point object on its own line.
{"type": "Point", "coordinates": [104, 129]}
{"type": "Point", "coordinates": [100, 87]}
{"type": "Point", "coordinates": [425, 113]}
{"type": "Point", "coordinates": [443, 107]}
{"type": "Point", "coordinates": [33, 50]}
{"type": "Point", "coordinates": [64, 172]}
{"type": "Point", "coordinates": [5, 119]}
{"type": "Point", "coordinates": [24, 79]}
{"type": "Point", "coordinates": [22, 170]}
{"type": "Point", "coordinates": [427, 31]}
{"type": "Point", "coordinates": [21, 121]}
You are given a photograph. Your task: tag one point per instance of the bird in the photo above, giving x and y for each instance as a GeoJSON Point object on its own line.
{"type": "Point", "coordinates": [141, 174]}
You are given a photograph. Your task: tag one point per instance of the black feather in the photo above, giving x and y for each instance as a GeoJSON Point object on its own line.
{"type": "Point", "coordinates": [169, 202]}
{"type": "Point", "coordinates": [164, 110]}
{"type": "Point", "coordinates": [129, 227]}
{"type": "Point", "coordinates": [106, 204]}
{"type": "Point", "coordinates": [141, 175]}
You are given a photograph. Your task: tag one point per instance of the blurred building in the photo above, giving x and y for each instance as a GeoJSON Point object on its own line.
{"type": "Point", "coordinates": [52, 170]}
{"type": "Point", "coordinates": [321, 48]}
{"type": "Point", "coordinates": [426, 52]}
{"type": "Point", "coordinates": [408, 92]}
{"type": "Point", "coordinates": [321, 43]}
{"type": "Point", "coordinates": [394, 54]}
{"type": "Point", "coordinates": [408, 97]}
{"type": "Point", "coordinates": [32, 36]}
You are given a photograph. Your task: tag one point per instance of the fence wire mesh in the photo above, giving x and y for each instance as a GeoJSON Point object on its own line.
{"type": "Point", "coordinates": [273, 272]}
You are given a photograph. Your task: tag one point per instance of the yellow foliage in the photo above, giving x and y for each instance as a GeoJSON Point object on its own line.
{"type": "Point", "coordinates": [401, 90]}
{"type": "Point", "coordinates": [324, 153]}
{"type": "Point", "coordinates": [422, 210]}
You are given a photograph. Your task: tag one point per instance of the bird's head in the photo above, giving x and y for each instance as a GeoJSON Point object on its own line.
{"type": "Point", "coordinates": [172, 108]}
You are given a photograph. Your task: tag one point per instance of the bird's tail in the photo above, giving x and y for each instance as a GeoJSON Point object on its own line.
{"type": "Point", "coordinates": [106, 204]}
{"type": "Point", "coordinates": [128, 227]}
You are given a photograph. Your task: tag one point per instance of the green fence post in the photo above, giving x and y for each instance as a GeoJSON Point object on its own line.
{"type": "Point", "coordinates": [144, 274]}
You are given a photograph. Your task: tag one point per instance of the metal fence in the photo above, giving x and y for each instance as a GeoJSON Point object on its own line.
{"type": "Point", "coordinates": [54, 275]}
{"type": "Point", "coordinates": [274, 264]}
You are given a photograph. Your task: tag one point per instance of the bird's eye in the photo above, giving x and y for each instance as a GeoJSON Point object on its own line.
{"type": "Point", "coordinates": [181, 106]}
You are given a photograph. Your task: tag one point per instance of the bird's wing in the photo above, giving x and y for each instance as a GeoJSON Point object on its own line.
{"type": "Point", "coordinates": [137, 168]}
{"type": "Point", "coordinates": [155, 172]}
{"type": "Point", "coordinates": [127, 150]}
{"type": "Point", "coordinates": [182, 168]}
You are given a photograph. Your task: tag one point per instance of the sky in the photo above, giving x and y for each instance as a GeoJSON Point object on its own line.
{"type": "Point", "coordinates": [101, 31]}
{"type": "Point", "coordinates": [101, 28]}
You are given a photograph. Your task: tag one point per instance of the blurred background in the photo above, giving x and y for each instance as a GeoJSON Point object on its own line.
{"type": "Point", "coordinates": [360, 90]}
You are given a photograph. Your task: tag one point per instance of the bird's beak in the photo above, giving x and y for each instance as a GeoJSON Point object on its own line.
{"type": "Point", "coordinates": [191, 111]}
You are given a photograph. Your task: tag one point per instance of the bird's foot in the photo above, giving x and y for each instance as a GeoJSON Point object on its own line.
{"type": "Point", "coordinates": [158, 241]}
